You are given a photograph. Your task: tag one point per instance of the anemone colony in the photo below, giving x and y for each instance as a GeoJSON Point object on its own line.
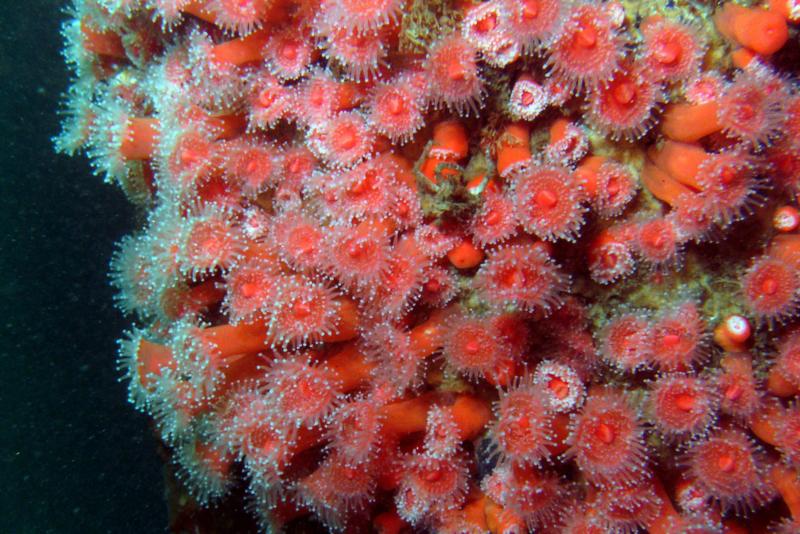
{"type": "Point", "coordinates": [457, 266]}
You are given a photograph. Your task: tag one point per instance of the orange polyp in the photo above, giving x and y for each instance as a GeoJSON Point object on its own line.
{"type": "Point", "coordinates": [102, 43]}
{"type": "Point", "coordinates": [680, 160]}
{"type": "Point", "coordinates": [786, 9]}
{"type": "Point", "coordinates": [249, 338]}
{"type": "Point", "coordinates": [559, 431]}
{"type": "Point", "coordinates": [389, 523]}
{"type": "Point", "coordinates": [513, 146]}
{"type": "Point", "coordinates": [781, 7]}
{"type": "Point", "coordinates": [451, 138]}
{"type": "Point", "coordinates": [662, 186]}
{"type": "Point", "coordinates": [238, 368]}
{"type": "Point", "coordinates": [465, 255]}
{"type": "Point", "coordinates": [226, 126]}
{"type": "Point", "coordinates": [407, 416]}
{"type": "Point", "coordinates": [152, 358]}
{"type": "Point", "coordinates": [257, 252]}
{"type": "Point", "coordinates": [503, 373]}
{"type": "Point", "coordinates": [786, 219]}
{"type": "Point", "coordinates": [474, 512]}
{"type": "Point", "coordinates": [786, 481]}
{"type": "Point", "coordinates": [475, 184]}
{"type": "Point", "coordinates": [450, 144]}
{"type": "Point", "coordinates": [766, 421]}
{"type": "Point", "coordinates": [427, 337]}
{"type": "Point", "coordinates": [586, 174]}
{"type": "Point", "coordinates": [471, 414]}
{"type": "Point", "coordinates": [732, 333]}
{"type": "Point", "coordinates": [349, 321]}
{"type": "Point", "coordinates": [428, 168]}
{"type": "Point", "coordinates": [779, 386]}
{"type": "Point", "coordinates": [664, 521]}
{"type": "Point", "coordinates": [139, 139]}
{"type": "Point", "coordinates": [351, 368]}
{"type": "Point", "coordinates": [229, 340]}
{"type": "Point", "coordinates": [196, 299]}
{"type": "Point", "coordinates": [764, 32]}
{"type": "Point", "coordinates": [742, 57]}
{"type": "Point", "coordinates": [242, 51]}
{"type": "Point", "coordinates": [786, 247]}
{"type": "Point", "coordinates": [724, 18]}
{"type": "Point", "coordinates": [558, 130]}
{"type": "Point", "coordinates": [197, 8]}
{"type": "Point", "coordinates": [690, 122]}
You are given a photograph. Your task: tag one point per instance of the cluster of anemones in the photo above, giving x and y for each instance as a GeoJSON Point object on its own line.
{"type": "Point", "coordinates": [409, 265]}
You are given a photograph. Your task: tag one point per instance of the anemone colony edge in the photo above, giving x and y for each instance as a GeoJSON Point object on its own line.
{"type": "Point", "coordinates": [456, 266]}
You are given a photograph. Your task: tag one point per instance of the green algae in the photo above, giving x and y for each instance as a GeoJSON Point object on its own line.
{"type": "Point", "coordinates": [424, 23]}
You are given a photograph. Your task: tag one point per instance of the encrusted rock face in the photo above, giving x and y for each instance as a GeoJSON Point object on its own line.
{"type": "Point", "coordinates": [455, 266]}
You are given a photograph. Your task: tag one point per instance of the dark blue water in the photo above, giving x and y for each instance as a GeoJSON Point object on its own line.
{"type": "Point", "coordinates": [75, 457]}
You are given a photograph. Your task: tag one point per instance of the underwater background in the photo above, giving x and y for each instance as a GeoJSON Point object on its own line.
{"type": "Point", "coordinates": [75, 457]}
